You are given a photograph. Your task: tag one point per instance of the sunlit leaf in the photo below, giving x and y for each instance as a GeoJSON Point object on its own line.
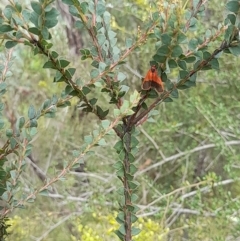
{"type": "Point", "coordinates": [105, 124]}
{"type": "Point", "coordinates": [121, 76]}
{"type": "Point", "coordinates": [102, 142]}
{"type": "Point", "coordinates": [88, 139]}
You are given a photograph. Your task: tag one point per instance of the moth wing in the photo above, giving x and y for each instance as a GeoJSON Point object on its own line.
{"type": "Point", "coordinates": [157, 83]}
{"type": "Point", "coordinates": [157, 86]}
{"type": "Point", "coordinates": [152, 80]}
{"type": "Point", "coordinates": [146, 85]}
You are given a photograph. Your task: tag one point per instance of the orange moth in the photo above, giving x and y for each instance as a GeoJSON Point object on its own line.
{"type": "Point", "coordinates": [152, 80]}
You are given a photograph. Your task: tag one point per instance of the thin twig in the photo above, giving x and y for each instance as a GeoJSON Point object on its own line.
{"type": "Point", "coordinates": [208, 188]}
{"type": "Point", "coordinates": [153, 142]}
{"type": "Point", "coordinates": [56, 225]}
{"type": "Point", "coordinates": [176, 156]}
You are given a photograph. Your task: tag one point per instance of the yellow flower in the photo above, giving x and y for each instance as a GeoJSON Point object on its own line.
{"type": "Point", "coordinates": [42, 83]}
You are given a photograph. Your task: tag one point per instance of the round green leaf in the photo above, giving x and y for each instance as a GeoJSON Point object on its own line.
{"type": "Point", "coordinates": [86, 90]}
{"type": "Point", "coordinates": [9, 132]}
{"type": "Point", "coordinates": [235, 50]}
{"type": "Point", "coordinates": [135, 231]}
{"type": "Point", "coordinates": [215, 64]}
{"type": "Point", "coordinates": [49, 65]}
{"type": "Point", "coordinates": [34, 30]}
{"type": "Point", "coordinates": [182, 64]}
{"type": "Point", "coordinates": [232, 18]}
{"type": "Point", "coordinates": [37, 8]}
{"type": "Point", "coordinates": [21, 122]}
{"type": "Point", "coordinates": [100, 9]}
{"type": "Point", "coordinates": [190, 59]}
{"type": "Point", "coordinates": [159, 59]}
{"type": "Point", "coordinates": [174, 93]}
{"type": "Point", "coordinates": [94, 73]}
{"type": "Point", "coordinates": [168, 99]}
{"type": "Point", "coordinates": [63, 63]}
{"type": "Point", "coordinates": [31, 112]}
{"type": "Point", "coordinates": [7, 12]}
{"type": "Point", "coordinates": [233, 6]}
{"type": "Point", "coordinates": [84, 7]}
{"type": "Point", "coordinates": [166, 38]}
{"type": "Point", "coordinates": [5, 28]}
{"type": "Point", "coordinates": [177, 51]}
{"type": "Point", "coordinates": [10, 44]}
{"type": "Point", "coordinates": [163, 50]}
{"type": "Point", "coordinates": [193, 43]}
{"type": "Point", "coordinates": [129, 42]}
{"type": "Point", "coordinates": [172, 64]}
{"type": "Point", "coordinates": [101, 39]}
{"type": "Point", "coordinates": [181, 37]}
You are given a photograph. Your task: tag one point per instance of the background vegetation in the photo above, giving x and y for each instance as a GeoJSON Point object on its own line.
{"type": "Point", "coordinates": [188, 159]}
